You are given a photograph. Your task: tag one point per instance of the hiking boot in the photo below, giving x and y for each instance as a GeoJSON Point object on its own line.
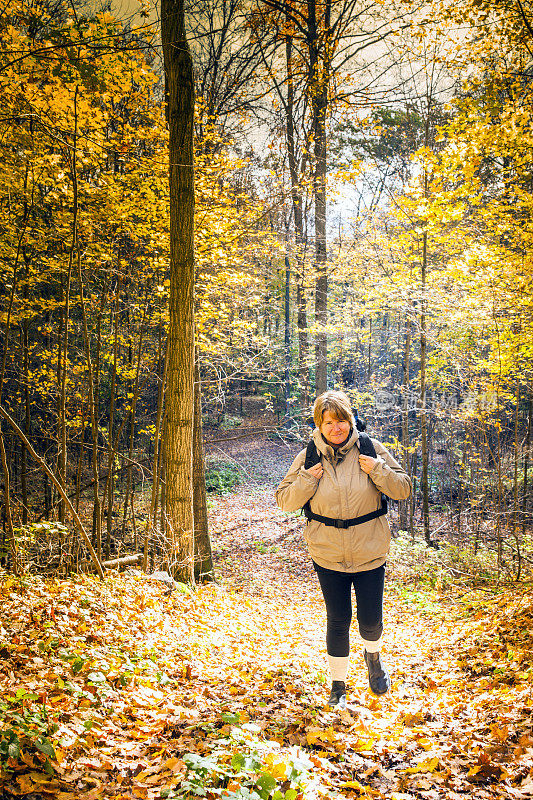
{"type": "Point", "coordinates": [337, 698]}
{"type": "Point", "coordinates": [378, 677]}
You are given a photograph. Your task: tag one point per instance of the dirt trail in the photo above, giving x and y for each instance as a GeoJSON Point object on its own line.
{"type": "Point", "coordinates": [137, 678]}
{"type": "Point", "coordinates": [443, 732]}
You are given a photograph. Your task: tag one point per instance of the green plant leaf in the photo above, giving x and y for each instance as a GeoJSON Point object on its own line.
{"type": "Point", "coordinates": [266, 782]}
{"type": "Point", "coordinates": [13, 749]}
{"type": "Point", "coordinates": [238, 761]}
{"type": "Point", "coordinates": [46, 748]}
{"type": "Point", "coordinates": [229, 718]}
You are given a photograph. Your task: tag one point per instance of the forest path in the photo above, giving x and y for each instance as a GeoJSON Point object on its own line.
{"type": "Point", "coordinates": [457, 721]}
{"type": "Point", "coordinates": [221, 692]}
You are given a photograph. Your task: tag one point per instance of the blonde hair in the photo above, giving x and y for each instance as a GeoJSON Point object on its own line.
{"type": "Point", "coordinates": [337, 403]}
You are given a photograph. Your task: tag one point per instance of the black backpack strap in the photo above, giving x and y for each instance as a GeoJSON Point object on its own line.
{"type": "Point", "coordinates": [312, 457]}
{"type": "Point", "coordinates": [366, 445]}
{"type": "Point", "coordinates": [346, 523]}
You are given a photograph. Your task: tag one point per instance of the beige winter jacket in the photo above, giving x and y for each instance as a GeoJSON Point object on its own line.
{"type": "Point", "coordinates": [344, 492]}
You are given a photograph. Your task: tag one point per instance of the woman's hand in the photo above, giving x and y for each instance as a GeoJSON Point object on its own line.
{"type": "Point", "coordinates": [316, 471]}
{"type": "Point", "coordinates": [367, 462]}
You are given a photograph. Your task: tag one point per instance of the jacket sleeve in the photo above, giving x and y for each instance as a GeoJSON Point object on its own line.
{"type": "Point", "coordinates": [389, 477]}
{"type": "Point", "coordinates": [297, 487]}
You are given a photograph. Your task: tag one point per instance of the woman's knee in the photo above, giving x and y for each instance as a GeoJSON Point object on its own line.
{"type": "Point", "coordinates": [371, 633]}
{"type": "Point", "coordinates": [339, 622]}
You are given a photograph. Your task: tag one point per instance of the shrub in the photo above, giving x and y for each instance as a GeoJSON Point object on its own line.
{"type": "Point", "coordinates": [240, 765]}
{"type": "Point", "coordinates": [222, 477]}
{"type": "Point", "coordinates": [412, 561]}
{"type": "Point", "coordinates": [26, 727]}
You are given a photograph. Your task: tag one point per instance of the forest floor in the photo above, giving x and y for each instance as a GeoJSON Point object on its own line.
{"type": "Point", "coordinates": [122, 690]}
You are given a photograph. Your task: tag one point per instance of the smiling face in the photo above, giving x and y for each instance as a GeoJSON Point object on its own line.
{"type": "Point", "coordinates": [334, 430]}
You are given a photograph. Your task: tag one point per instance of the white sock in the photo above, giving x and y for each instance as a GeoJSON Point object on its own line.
{"type": "Point", "coordinates": [338, 666]}
{"type": "Point", "coordinates": [373, 647]}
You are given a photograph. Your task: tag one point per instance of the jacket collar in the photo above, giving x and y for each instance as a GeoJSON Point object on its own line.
{"type": "Point", "coordinates": [332, 454]}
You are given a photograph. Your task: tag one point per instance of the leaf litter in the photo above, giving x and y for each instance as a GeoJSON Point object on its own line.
{"type": "Point", "coordinates": [120, 690]}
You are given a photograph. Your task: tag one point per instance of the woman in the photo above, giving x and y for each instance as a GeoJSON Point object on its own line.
{"type": "Point", "coordinates": [342, 487]}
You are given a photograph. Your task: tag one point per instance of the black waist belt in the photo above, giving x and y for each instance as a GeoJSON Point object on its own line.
{"type": "Point", "coordinates": [345, 523]}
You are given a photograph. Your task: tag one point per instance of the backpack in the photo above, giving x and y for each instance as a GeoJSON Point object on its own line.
{"type": "Point", "coordinates": [312, 457]}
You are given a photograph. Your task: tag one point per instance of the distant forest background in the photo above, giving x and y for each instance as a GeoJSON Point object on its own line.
{"type": "Point", "coordinates": [364, 198]}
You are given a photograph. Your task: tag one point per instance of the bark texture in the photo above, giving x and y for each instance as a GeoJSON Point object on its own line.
{"type": "Point", "coordinates": [178, 433]}
{"type": "Point", "coordinates": [203, 559]}
{"type": "Point", "coordinates": [319, 66]}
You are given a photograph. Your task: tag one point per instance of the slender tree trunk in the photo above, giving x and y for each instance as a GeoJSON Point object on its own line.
{"type": "Point", "coordinates": [127, 501]}
{"type": "Point", "coordinates": [319, 79]}
{"type": "Point", "coordinates": [297, 204]}
{"type": "Point", "coordinates": [404, 504]}
{"type": "Point", "coordinates": [54, 480]}
{"type": "Point", "coordinates": [287, 341]}
{"type": "Point", "coordinates": [80, 462]}
{"type": "Point", "coordinates": [499, 484]}
{"type": "Point", "coordinates": [157, 461]}
{"type": "Point", "coordinates": [97, 508]}
{"type": "Point", "coordinates": [92, 411]}
{"type": "Point", "coordinates": [516, 460]}
{"type": "Point", "coordinates": [63, 365]}
{"type": "Point", "coordinates": [110, 482]}
{"type": "Point", "coordinates": [422, 398]}
{"type": "Point", "coordinates": [203, 558]}
{"type": "Point", "coordinates": [7, 508]}
{"type": "Point", "coordinates": [5, 467]}
{"type": "Point", "coordinates": [526, 464]}
{"type": "Point", "coordinates": [179, 415]}
{"type": "Point", "coordinates": [27, 414]}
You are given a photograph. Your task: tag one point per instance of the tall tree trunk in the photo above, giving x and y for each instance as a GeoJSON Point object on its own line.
{"type": "Point", "coordinates": [287, 340]}
{"type": "Point", "coordinates": [178, 434]}
{"type": "Point", "coordinates": [526, 463]}
{"type": "Point", "coordinates": [63, 365]}
{"type": "Point", "coordinates": [97, 536]}
{"type": "Point", "coordinates": [297, 205]}
{"type": "Point", "coordinates": [319, 78]}
{"type": "Point", "coordinates": [157, 459]}
{"type": "Point", "coordinates": [11, 542]}
{"type": "Point", "coordinates": [516, 460]}
{"type": "Point", "coordinates": [27, 419]}
{"type": "Point", "coordinates": [404, 504]}
{"type": "Point", "coordinates": [112, 399]}
{"type": "Point", "coordinates": [135, 389]}
{"type": "Point", "coordinates": [422, 397]}
{"type": "Point", "coordinates": [203, 558]}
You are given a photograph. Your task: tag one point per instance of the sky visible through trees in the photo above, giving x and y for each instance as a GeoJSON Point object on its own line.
{"type": "Point", "coordinates": [362, 222]}
{"type": "Point", "coordinates": [360, 219]}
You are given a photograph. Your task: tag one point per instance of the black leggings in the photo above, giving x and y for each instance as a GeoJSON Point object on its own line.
{"type": "Point", "coordinates": [337, 590]}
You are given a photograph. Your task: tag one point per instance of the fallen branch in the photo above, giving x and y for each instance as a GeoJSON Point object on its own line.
{"type": "Point", "coordinates": [44, 466]}
{"type": "Point", "coordinates": [122, 562]}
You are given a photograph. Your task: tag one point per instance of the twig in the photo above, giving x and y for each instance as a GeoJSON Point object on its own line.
{"type": "Point", "coordinates": [44, 466]}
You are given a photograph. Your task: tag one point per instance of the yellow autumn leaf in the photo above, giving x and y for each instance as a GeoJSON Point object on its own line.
{"type": "Point", "coordinates": [315, 735]}
{"type": "Point", "coordinates": [429, 765]}
{"type": "Point", "coordinates": [425, 743]}
{"type": "Point", "coordinates": [364, 743]}
{"type": "Point", "coordinates": [353, 785]}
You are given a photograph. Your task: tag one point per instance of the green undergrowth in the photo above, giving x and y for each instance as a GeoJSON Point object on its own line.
{"type": "Point", "coordinates": [222, 477]}
{"type": "Point", "coordinates": [444, 568]}
{"type": "Point", "coordinates": [239, 764]}
{"type": "Point", "coordinates": [26, 727]}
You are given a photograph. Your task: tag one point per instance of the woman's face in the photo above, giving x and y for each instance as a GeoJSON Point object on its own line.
{"type": "Point", "coordinates": [333, 429]}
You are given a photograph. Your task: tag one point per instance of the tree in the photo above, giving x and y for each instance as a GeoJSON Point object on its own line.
{"type": "Point", "coordinates": [179, 412]}
{"type": "Point", "coordinates": [328, 39]}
